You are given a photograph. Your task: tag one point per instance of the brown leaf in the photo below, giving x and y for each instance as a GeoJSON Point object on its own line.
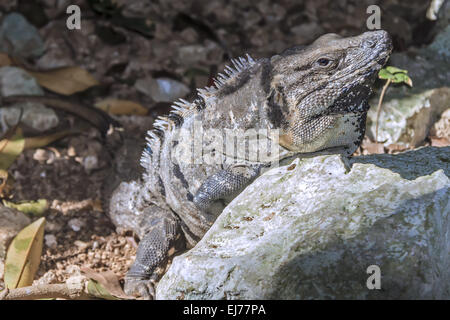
{"type": "Point", "coordinates": [108, 280]}
{"type": "Point", "coordinates": [65, 80]}
{"type": "Point", "coordinates": [121, 107]}
{"type": "Point", "coordinates": [42, 141]}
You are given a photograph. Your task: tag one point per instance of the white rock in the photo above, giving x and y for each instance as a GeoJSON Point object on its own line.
{"type": "Point", "coordinates": [162, 89]}
{"type": "Point", "coordinates": [310, 231]}
{"type": "Point", "coordinates": [11, 222]}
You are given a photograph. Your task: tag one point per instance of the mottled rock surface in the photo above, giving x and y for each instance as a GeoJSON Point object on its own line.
{"type": "Point", "coordinates": [310, 230]}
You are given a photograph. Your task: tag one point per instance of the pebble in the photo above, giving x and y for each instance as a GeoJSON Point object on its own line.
{"type": "Point", "coordinates": [76, 224]}
{"type": "Point", "coordinates": [50, 241]}
{"type": "Point", "coordinates": [90, 163]}
{"type": "Point", "coordinates": [162, 89]}
{"type": "Point", "coordinates": [16, 81]}
{"type": "Point", "coordinates": [20, 38]}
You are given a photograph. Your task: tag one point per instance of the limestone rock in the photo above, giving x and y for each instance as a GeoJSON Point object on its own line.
{"type": "Point", "coordinates": [310, 230]}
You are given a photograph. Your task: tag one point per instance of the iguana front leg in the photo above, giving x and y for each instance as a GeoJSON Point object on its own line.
{"type": "Point", "coordinates": [225, 183]}
{"type": "Point", "coordinates": [161, 235]}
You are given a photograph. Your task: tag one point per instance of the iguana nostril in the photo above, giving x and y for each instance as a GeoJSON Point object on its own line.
{"type": "Point", "coordinates": [382, 61]}
{"type": "Point", "coordinates": [368, 43]}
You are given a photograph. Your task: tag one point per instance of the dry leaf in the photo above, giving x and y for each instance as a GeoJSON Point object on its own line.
{"type": "Point", "coordinates": [11, 148]}
{"type": "Point", "coordinates": [104, 284]}
{"type": "Point", "coordinates": [121, 107]}
{"type": "Point", "coordinates": [42, 141]}
{"type": "Point", "coordinates": [65, 80]}
{"type": "Point", "coordinates": [24, 255]}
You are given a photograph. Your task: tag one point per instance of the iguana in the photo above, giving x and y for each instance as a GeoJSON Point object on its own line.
{"type": "Point", "coordinates": [315, 99]}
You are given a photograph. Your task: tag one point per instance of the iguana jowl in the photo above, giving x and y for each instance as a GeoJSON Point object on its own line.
{"type": "Point", "coordinates": [316, 96]}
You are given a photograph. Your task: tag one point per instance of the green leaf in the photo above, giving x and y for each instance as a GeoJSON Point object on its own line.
{"type": "Point", "coordinates": [32, 208]}
{"type": "Point", "coordinates": [396, 75]}
{"type": "Point", "coordinates": [393, 70]}
{"type": "Point", "coordinates": [97, 290]}
{"type": "Point", "coordinates": [384, 74]}
{"type": "Point", "coordinates": [106, 284]}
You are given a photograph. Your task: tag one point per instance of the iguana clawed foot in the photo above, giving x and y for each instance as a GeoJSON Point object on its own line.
{"type": "Point", "coordinates": [138, 287]}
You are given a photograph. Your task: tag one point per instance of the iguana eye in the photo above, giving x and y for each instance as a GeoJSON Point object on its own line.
{"type": "Point", "coordinates": [323, 62]}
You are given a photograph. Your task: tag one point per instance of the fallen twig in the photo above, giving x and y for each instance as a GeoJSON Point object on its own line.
{"type": "Point", "coordinates": [45, 291]}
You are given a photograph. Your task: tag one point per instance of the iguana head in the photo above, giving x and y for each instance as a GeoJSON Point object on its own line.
{"type": "Point", "coordinates": [314, 85]}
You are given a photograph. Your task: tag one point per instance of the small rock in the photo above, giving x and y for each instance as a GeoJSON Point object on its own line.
{"type": "Point", "coordinates": [12, 221]}
{"type": "Point", "coordinates": [76, 224]}
{"type": "Point", "coordinates": [20, 38]}
{"type": "Point", "coordinates": [90, 163]}
{"type": "Point", "coordinates": [81, 245]}
{"type": "Point", "coordinates": [71, 151]}
{"type": "Point", "coordinates": [48, 278]}
{"type": "Point", "coordinates": [50, 241]}
{"type": "Point", "coordinates": [16, 81]}
{"type": "Point", "coordinates": [51, 226]}
{"type": "Point", "coordinates": [43, 155]}
{"type": "Point", "coordinates": [192, 54]}
{"type": "Point", "coordinates": [162, 89]}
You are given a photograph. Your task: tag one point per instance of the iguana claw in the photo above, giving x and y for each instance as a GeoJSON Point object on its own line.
{"type": "Point", "coordinates": [144, 288]}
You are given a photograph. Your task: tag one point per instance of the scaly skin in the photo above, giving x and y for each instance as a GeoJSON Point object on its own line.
{"type": "Point", "coordinates": [315, 96]}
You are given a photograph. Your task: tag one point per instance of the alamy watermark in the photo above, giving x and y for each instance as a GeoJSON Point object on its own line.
{"type": "Point", "coordinates": [212, 146]}
{"type": "Point", "coordinates": [74, 20]}
{"type": "Point", "coordinates": [374, 281]}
